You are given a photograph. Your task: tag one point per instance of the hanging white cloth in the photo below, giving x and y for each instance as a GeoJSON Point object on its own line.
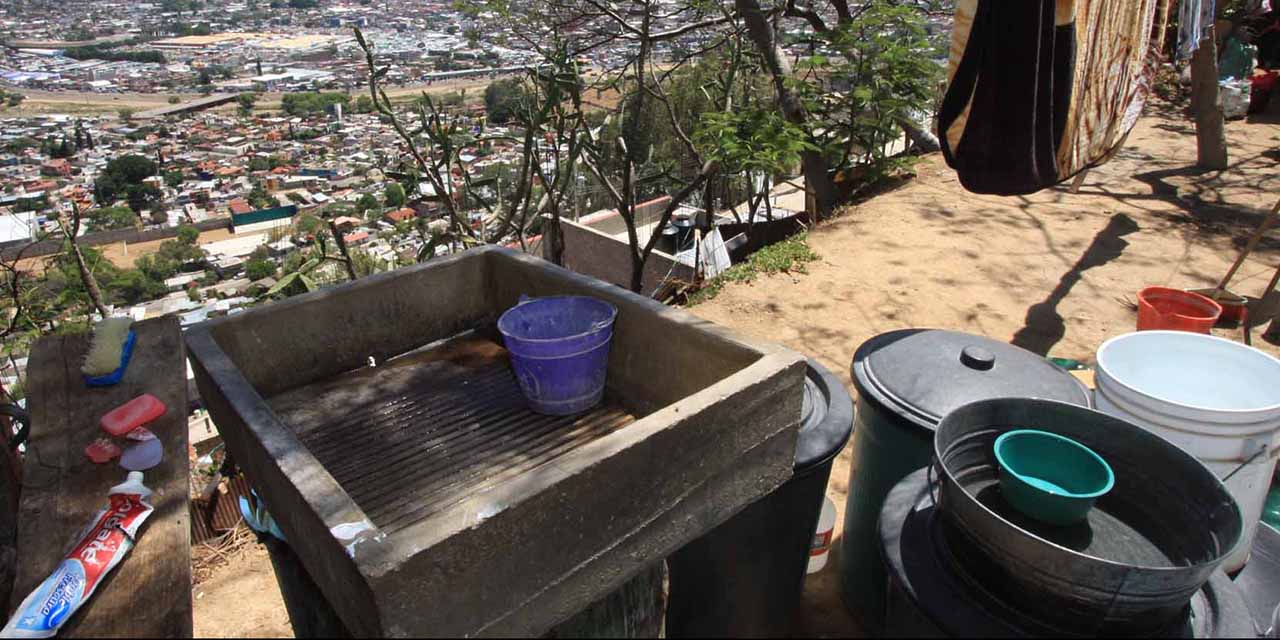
{"type": "Point", "coordinates": [1195, 17]}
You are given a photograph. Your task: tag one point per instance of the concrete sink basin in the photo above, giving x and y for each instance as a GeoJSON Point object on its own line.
{"type": "Point", "coordinates": [420, 494]}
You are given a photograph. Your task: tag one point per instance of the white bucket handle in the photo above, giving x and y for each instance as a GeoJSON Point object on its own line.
{"type": "Point", "coordinates": [1263, 448]}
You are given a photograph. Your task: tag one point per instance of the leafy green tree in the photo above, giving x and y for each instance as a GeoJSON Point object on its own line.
{"type": "Point", "coordinates": [131, 169]}
{"type": "Point", "coordinates": [259, 267]}
{"type": "Point", "coordinates": [156, 266]}
{"type": "Point", "coordinates": [179, 254]}
{"type": "Point", "coordinates": [173, 178]}
{"type": "Point", "coordinates": [133, 286]}
{"type": "Point", "coordinates": [104, 52]}
{"type": "Point", "coordinates": [158, 215]}
{"type": "Point", "coordinates": [246, 101]}
{"type": "Point", "coordinates": [259, 163]}
{"type": "Point", "coordinates": [32, 204]}
{"type": "Point", "coordinates": [410, 179]}
{"type": "Point", "coordinates": [63, 280]}
{"type": "Point", "coordinates": [365, 264]}
{"type": "Point", "coordinates": [311, 102]}
{"type": "Point", "coordinates": [364, 104]}
{"type": "Point", "coordinates": [394, 195]}
{"type": "Point", "coordinates": [142, 197]}
{"type": "Point", "coordinates": [307, 224]}
{"type": "Point", "coordinates": [883, 73]}
{"type": "Point", "coordinates": [188, 235]}
{"type": "Point", "coordinates": [123, 177]}
{"type": "Point", "coordinates": [751, 140]}
{"type": "Point", "coordinates": [293, 261]}
{"type": "Point", "coordinates": [504, 99]}
{"type": "Point", "coordinates": [108, 218]}
{"type": "Point", "coordinates": [367, 203]}
{"type": "Point", "coordinates": [259, 198]}
{"type": "Point", "coordinates": [106, 189]}
{"type": "Point", "coordinates": [206, 77]}
{"type": "Point", "coordinates": [61, 149]}
{"type": "Point", "coordinates": [17, 145]}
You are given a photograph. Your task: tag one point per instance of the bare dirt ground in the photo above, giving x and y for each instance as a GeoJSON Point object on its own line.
{"type": "Point", "coordinates": [1054, 272]}
{"type": "Point", "coordinates": [238, 596]}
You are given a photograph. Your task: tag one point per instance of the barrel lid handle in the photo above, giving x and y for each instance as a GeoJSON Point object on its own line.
{"type": "Point", "coordinates": [976, 357]}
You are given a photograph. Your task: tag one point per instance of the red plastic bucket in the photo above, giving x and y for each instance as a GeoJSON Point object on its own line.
{"type": "Point", "coordinates": [1177, 310]}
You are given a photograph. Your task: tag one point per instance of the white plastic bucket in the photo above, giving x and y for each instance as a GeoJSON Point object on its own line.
{"type": "Point", "coordinates": [820, 548]}
{"type": "Point", "coordinates": [1217, 399]}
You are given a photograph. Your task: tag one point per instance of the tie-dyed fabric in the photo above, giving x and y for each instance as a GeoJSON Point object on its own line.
{"type": "Point", "coordinates": [1042, 89]}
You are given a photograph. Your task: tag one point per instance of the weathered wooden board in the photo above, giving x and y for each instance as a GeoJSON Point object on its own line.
{"type": "Point", "coordinates": [149, 593]}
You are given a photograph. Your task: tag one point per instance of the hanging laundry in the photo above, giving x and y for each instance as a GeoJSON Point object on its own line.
{"type": "Point", "coordinates": [1042, 89]}
{"type": "Point", "coordinates": [1194, 19]}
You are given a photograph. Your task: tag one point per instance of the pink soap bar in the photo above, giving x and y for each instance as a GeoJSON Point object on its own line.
{"type": "Point", "coordinates": [132, 414]}
{"type": "Point", "coordinates": [102, 450]}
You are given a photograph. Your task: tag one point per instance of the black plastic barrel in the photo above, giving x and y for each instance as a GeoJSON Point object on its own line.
{"type": "Point", "coordinates": [745, 577]}
{"type": "Point", "coordinates": [907, 380]}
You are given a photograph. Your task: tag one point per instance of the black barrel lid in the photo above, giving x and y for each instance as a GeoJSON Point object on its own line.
{"type": "Point", "coordinates": [922, 374]}
{"type": "Point", "coordinates": [826, 419]}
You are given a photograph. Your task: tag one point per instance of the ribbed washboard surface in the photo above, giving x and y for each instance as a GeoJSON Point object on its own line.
{"type": "Point", "coordinates": [419, 433]}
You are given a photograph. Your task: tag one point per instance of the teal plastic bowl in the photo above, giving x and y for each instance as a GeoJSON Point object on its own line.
{"type": "Point", "coordinates": [1050, 478]}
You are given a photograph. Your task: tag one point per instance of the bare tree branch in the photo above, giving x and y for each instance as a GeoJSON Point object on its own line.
{"type": "Point", "coordinates": [86, 274]}
{"type": "Point", "coordinates": [795, 11]}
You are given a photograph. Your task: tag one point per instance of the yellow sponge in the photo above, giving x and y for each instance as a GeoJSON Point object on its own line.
{"type": "Point", "coordinates": [109, 336]}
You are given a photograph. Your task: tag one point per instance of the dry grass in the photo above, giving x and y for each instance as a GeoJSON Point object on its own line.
{"type": "Point", "coordinates": [208, 557]}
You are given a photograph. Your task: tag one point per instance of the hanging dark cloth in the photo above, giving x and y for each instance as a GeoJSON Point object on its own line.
{"type": "Point", "coordinates": [1041, 89]}
{"type": "Point", "coordinates": [1010, 92]}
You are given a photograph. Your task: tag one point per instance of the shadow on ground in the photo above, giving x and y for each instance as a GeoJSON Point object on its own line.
{"type": "Point", "coordinates": [1044, 326]}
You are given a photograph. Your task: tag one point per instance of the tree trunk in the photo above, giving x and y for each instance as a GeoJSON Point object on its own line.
{"type": "Point", "coordinates": [86, 276]}
{"type": "Point", "coordinates": [342, 249]}
{"type": "Point", "coordinates": [817, 172]}
{"type": "Point", "coordinates": [553, 238]}
{"type": "Point", "coordinates": [637, 273]}
{"type": "Point", "coordinates": [90, 283]}
{"type": "Point", "coordinates": [1211, 137]}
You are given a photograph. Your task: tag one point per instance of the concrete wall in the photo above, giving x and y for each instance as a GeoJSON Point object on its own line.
{"type": "Point", "coordinates": [602, 256]}
{"type": "Point", "coordinates": [592, 247]}
{"type": "Point", "coordinates": [611, 223]}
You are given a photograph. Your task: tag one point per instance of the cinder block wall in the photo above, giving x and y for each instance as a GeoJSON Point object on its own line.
{"type": "Point", "coordinates": [593, 253]}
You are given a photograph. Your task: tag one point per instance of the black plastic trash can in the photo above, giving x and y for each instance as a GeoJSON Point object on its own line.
{"type": "Point", "coordinates": [745, 577]}
{"type": "Point", "coordinates": [907, 380]}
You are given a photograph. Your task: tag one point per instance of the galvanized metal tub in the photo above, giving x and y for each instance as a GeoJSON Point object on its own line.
{"type": "Point", "coordinates": [1146, 547]}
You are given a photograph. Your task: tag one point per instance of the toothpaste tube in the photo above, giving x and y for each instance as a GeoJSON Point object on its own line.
{"type": "Point", "coordinates": [102, 546]}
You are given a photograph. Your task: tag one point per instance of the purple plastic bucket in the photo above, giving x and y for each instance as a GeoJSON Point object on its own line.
{"type": "Point", "coordinates": [559, 350]}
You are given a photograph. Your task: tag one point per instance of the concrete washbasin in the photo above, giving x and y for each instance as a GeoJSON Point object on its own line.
{"type": "Point", "coordinates": [420, 494]}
